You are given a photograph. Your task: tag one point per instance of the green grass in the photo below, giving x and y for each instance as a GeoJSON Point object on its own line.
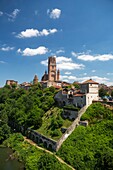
{"type": "Point", "coordinates": [46, 129]}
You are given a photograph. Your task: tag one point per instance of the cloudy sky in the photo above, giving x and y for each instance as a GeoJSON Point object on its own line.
{"type": "Point", "coordinates": [79, 33]}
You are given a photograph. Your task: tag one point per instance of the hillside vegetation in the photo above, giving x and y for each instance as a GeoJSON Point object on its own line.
{"type": "Point", "coordinates": [23, 107]}
{"type": "Point", "coordinates": [33, 158]}
{"type": "Point", "coordinates": [91, 147]}
{"type": "Point", "coordinates": [30, 108]}
{"type": "Point", "coordinates": [34, 108]}
{"type": "Point", "coordinates": [52, 123]}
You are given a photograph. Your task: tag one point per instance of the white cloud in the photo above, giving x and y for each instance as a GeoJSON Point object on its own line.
{"type": "Point", "coordinates": [32, 52]}
{"type": "Point", "coordinates": [28, 33]}
{"type": "Point", "coordinates": [74, 54]}
{"type": "Point", "coordinates": [1, 13]}
{"type": "Point", "coordinates": [54, 14]}
{"type": "Point", "coordinates": [82, 79]}
{"type": "Point", "coordinates": [70, 66]}
{"type": "Point", "coordinates": [109, 83]}
{"type": "Point", "coordinates": [62, 59]}
{"type": "Point", "coordinates": [93, 71]}
{"type": "Point", "coordinates": [77, 54]}
{"type": "Point", "coordinates": [13, 15]}
{"type": "Point", "coordinates": [13, 33]}
{"type": "Point", "coordinates": [88, 57]}
{"type": "Point", "coordinates": [96, 78]}
{"type": "Point", "coordinates": [44, 62]}
{"type": "Point", "coordinates": [64, 63]}
{"type": "Point", "coordinates": [7, 48]}
{"type": "Point", "coordinates": [68, 73]}
{"type": "Point", "coordinates": [70, 77]}
{"type": "Point", "coordinates": [60, 51]}
{"type": "Point", "coordinates": [45, 32]}
{"type": "Point", "coordinates": [84, 74]}
{"type": "Point", "coordinates": [2, 62]}
{"type": "Point", "coordinates": [109, 74]}
{"type": "Point", "coordinates": [19, 50]}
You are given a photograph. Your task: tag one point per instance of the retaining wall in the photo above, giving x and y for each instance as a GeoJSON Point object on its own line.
{"type": "Point", "coordinates": [71, 128]}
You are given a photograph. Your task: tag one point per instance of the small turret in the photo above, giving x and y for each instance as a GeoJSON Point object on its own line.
{"type": "Point", "coordinates": [35, 80]}
{"type": "Point", "coordinates": [58, 75]}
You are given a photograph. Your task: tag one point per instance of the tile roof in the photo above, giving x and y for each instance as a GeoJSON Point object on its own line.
{"type": "Point", "coordinates": [78, 95]}
{"type": "Point", "coordinates": [90, 81]}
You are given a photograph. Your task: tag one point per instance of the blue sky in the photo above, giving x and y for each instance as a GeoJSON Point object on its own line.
{"type": "Point", "coordinates": [79, 33]}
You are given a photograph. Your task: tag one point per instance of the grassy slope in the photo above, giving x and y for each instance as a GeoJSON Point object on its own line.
{"type": "Point", "coordinates": [45, 129]}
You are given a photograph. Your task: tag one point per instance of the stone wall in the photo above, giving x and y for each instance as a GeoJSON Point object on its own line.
{"type": "Point", "coordinates": [45, 141]}
{"type": "Point", "coordinates": [71, 128]}
{"type": "Point", "coordinates": [70, 114]}
{"type": "Point", "coordinates": [41, 139]}
{"type": "Point", "coordinates": [35, 136]}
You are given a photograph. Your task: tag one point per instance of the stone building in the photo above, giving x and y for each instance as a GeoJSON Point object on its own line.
{"type": "Point", "coordinates": [25, 85]}
{"type": "Point", "coordinates": [35, 80]}
{"type": "Point", "coordinates": [79, 98]}
{"type": "Point", "coordinates": [11, 82]}
{"type": "Point", "coordinates": [52, 78]}
{"type": "Point", "coordinates": [90, 88]}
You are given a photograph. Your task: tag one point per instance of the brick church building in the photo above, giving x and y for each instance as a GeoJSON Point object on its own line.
{"type": "Point", "coordinates": [52, 78]}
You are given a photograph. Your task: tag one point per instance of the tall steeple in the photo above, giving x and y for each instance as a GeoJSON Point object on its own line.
{"type": "Point", "coordinates": [52, 69]}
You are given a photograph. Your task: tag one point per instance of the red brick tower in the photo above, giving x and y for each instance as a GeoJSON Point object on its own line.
{"type": "Point", "coordinates": [52, 69]}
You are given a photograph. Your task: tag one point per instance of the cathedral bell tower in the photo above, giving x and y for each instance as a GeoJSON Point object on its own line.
{"type": "Point", "coordinates": [52, 69]}
{"type": "Point", "coordinates": [58, 75]}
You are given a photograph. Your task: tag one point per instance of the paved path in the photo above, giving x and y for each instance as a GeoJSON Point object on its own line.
{"type": "Point", "coordinates": [34, 144]}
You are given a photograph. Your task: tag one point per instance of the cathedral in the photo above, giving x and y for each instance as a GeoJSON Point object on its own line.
{"type": "Point", "coordinates": [52, 78]}
{"type": "Point", "coordinates": [53, 73]}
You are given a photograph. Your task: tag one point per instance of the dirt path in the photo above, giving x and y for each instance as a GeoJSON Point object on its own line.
{"type": "Point", "coordinates": [34, 144]}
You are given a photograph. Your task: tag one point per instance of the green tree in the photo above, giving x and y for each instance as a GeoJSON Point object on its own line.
{"type": "Point", "coordinates": [4, 131]}
{"type": "Point", "coordinates": [76, 85]}
{"type": "Point", "coordinates": [112, 93]}
{"type": "Point", "coordinates": [102, 92]}
{"type": "Point", "coordinates": [49, 162]}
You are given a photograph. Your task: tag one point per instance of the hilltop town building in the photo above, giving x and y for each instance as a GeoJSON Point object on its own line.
{"type": "Point", "coordinates": [79, 98]}
{"type": "Point", "coordinates": [35, 80]}
{"type": "Point", "coordinates": [52, 78]}
{"type": "Point", "coordinates": [25, 85]}
{"type": "Point", "coordinates": [11, 82]}
{"type": "Point", "coordinates": [53, 74]}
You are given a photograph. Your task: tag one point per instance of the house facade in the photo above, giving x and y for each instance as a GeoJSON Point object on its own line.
{"type": "Point", "coordinates": [79, 98]}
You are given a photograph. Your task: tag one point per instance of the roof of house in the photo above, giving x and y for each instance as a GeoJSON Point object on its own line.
{"type": "Point", "coordinates": [57, 87]}
{"type": "Point", "coordinates": [90, 81]}
{"type": "Point", "coordinates": [25, 84]}
{"type": "Point", "coordinates": [79, 95]}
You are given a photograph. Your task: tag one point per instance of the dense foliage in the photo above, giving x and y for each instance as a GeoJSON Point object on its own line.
{"type": "Point", "coordinates": [24, 107]}
{"type": "Point", "coordinates": [91, 147]}
{"type": "Point", "coordinates": [33, 158]}
{"type": "Point", "coordinates": [96, 113]}
{"type": "Point", "coordinates": [102, 92]}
